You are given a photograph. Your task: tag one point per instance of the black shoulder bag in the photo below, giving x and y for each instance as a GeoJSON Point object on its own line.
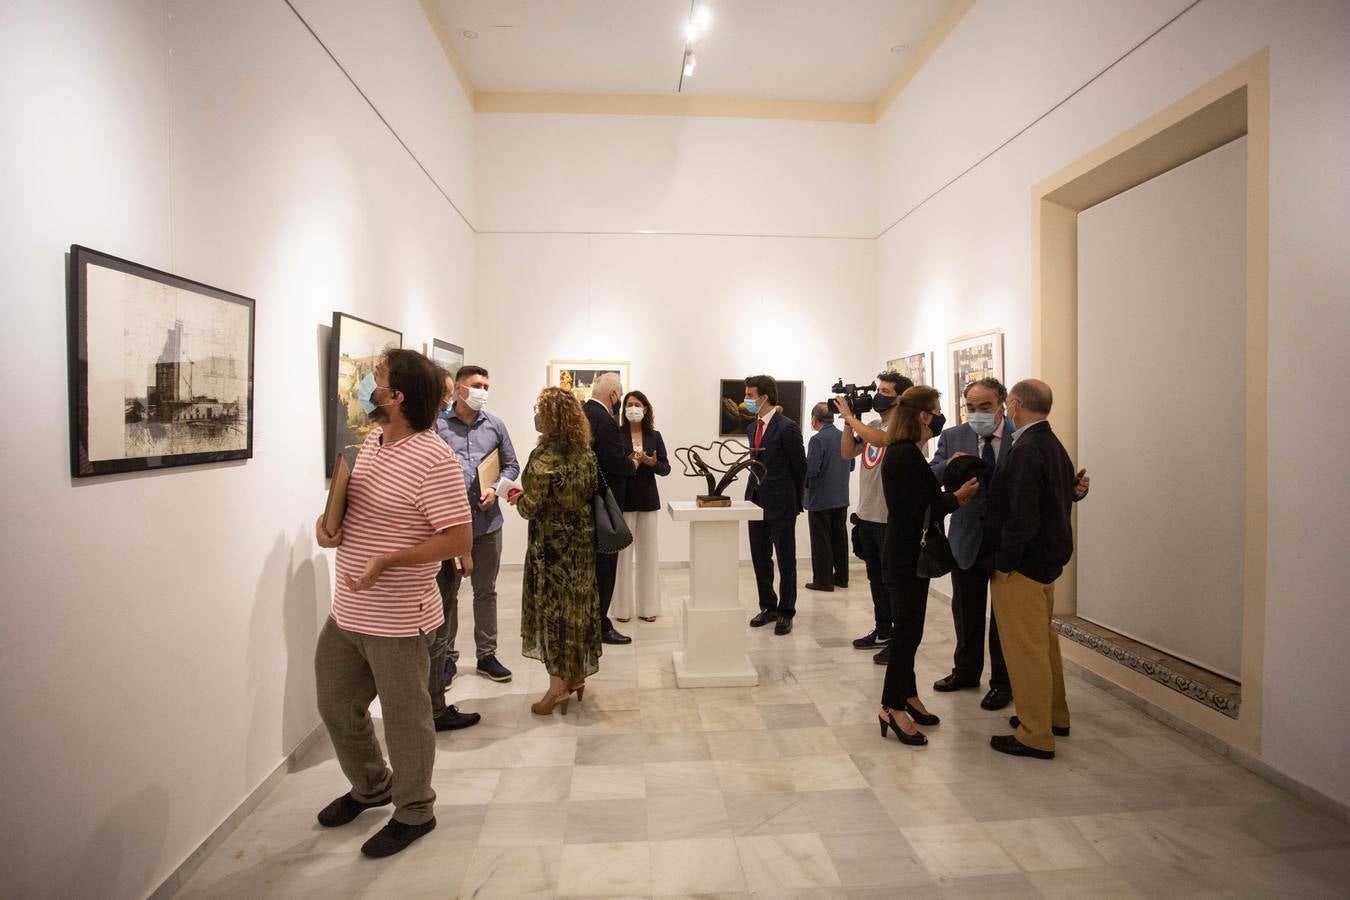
{"type": "Point", "coordinates": [611, 531]}
{"type": "Point", "coordinates": [935, 554]}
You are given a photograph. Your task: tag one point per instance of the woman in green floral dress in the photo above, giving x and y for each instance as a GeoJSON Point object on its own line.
{"type": "Point", "coordinates": [560, 608]}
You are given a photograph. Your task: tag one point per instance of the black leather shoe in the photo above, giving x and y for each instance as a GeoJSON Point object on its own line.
{"type": "Point", "coordinates": [997, 698]}
{"type": "Point", "coordinates": [453, 720]}
{"type": "Point", "coordinates": [764, 617]}
{"type": "Point", "coordinates": [395, 837]}
{"type": "Point", "coordinates": [346, 808]}
{"type": "Point", "coordinates": [952, 683]}
{"type": "Point", "coordinates": [1006, 743]}
{"type": "Point", "coordinates": [884, 657]}
{"type": "Point", "coordinates": [921, 718]}
{"type": "Point", "coordinates": [784, 625]}
{"type": "Point", "coordinates": [812, 586]}
{"type": "Point", "coordinates": [613, 637]}
{"type": "Point", "coordinates": [1057, 732]}
{"type": "Point", "coordinates": [842, 585]}
{"type": "Point", "coordinates": [872, 640]}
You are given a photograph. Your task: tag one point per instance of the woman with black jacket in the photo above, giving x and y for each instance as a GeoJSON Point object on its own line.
{"type": "Point", "coordinates": [911, 490]}
{"type": "Point", "coordinates": [638, 585]}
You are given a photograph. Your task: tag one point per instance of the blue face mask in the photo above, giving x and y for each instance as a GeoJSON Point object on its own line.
{"type": "Point", "coordinates": [365, 392]}
{"type": "Point", "coordinates": [982, 423]}
{"type": "Point", "coordinates": [752, 406]}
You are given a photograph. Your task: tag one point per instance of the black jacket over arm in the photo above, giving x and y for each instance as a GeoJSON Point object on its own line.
{"type": "Point", "coordinates": [1030, 501]}
{"type": "Point", "coordinates": [911, 489]}
{"type": "Point", "coordinates": [642, 493]}
{"type": "Point", "coordinates": [608, 444]}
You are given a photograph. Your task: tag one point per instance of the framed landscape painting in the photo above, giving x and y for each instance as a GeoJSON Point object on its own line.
{"type": "Point", "coordinates": [160, 368]}
{"type": "Point", "coordinates": [577, 376]}
{"type": "Point", "coordinates": [971, 358]}
{"type": "Point", "coordinates": [917, 367]}
{"type": "Point", "coordinates": [447, 355]}
{"type": "Point", "coordinates": [354, 348]}
{"type": "Point", "coordinates": [734, 419]}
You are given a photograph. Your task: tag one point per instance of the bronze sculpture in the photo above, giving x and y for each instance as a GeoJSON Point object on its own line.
{"type": "Point", "coordinates": [733, 457]}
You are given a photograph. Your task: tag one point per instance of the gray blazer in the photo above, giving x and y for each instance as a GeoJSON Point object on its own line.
{"type": "Point", "coordinates": [967, 525]}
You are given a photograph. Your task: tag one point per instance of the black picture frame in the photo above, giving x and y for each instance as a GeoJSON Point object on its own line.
{"type": "Point", "coordinates": [172, 425]}
{"type": "Point", "coordinates": [790, 396]}
{"type": "Point", "coordinates": [447, 355]}
{"type": "Point", "coordinates": [361, 337]}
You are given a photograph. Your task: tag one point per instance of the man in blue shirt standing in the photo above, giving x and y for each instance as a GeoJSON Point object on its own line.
{"type": "Point", "coordinates": [827, 476]}
{"type": "Point", "coordinates": [473, 434]}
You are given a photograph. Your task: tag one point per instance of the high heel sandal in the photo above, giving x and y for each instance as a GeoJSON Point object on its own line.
{"type": "Point", "coordinates": [920, 717]}
{"type": "Point", "coordinates": [545, 707]}
{"type": "Point", "coordinates": [914, 740]}
{"type": "Point", "coordinates": [578, 689]}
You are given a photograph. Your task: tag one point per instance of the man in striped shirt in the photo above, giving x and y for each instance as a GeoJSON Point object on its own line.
{"type": "Point", "coordinates": [407, 510]}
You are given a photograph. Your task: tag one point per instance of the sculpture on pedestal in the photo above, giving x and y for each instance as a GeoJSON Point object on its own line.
{"type": "Point", "coordinates": [732, 458]}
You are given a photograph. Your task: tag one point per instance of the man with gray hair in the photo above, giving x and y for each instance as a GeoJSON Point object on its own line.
{"type": "Point", "coordinates": [616, 468]}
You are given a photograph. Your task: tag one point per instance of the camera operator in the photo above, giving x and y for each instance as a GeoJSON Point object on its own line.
{"type": "Point", "coordinates": [869, 529]}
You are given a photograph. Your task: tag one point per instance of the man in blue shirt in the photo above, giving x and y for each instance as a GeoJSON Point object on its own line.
{"type": "Point", "coordinates": [473, 434]}
{"type": "Point", "coordinates": [827, 476]}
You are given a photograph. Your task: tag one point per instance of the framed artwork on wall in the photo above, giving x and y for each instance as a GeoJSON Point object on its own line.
{"type": "Point", "coordinates": [577, 375]}
{"type": "Point", "coordinates": [160, 368]}
{"type": "Point", "coordinates": [917, 367]}
{"type": "Point", "coordinates": [447, 355]}
{"type": "Point", "coordinates": [354, 348]}
{"type": "Point", "coordinates": [970, 358]}
{"type": "Point", "coordinates": [734, 419]}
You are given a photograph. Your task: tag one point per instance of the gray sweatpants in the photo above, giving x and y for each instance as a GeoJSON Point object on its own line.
{"type": "Point", "coordinates": [351, 670]}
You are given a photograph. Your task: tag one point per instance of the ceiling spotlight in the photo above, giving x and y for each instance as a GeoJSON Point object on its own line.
{"type": "Point", "coordinates": [690, 62]}
{"type": "Point", "coordinates": [690, 32]}
{"type": "Point", "coordinates": [703, 17]}
{"type": "Point", "coordinates": [899, 48]}
{"type": "Point", "coordinates": [468, 34]}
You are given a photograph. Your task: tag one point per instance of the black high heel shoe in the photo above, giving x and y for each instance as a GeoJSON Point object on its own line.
{"type": "Point", "coordinates": [921, 718]}
{"type": "Point", "coordinates": [914, 740]}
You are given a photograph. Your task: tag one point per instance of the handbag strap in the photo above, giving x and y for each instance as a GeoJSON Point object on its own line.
{"type": "Point", "coordinates": [923, 535]}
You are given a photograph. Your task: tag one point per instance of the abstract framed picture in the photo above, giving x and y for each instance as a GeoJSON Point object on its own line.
{"type": "Point", "coordinates": [447, 355]}
{"type": "Point", "coordinates": [577, 375]}
{"type": "Point", "coordinates": [160, 368]}
{"type": "Point", "coordinates": [734, 418]}
{"type": "Point", "coordinates": [354, 348]}
{"type": "Point", "coordinates": [917, 367]}
{"type": "Point", "coordinates": [971, 358]}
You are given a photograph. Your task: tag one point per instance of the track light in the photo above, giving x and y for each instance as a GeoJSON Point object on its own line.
{"type": "Point", "coordinates": [690, 61]}
{"type": "Point", "coordinates": [702, 18]}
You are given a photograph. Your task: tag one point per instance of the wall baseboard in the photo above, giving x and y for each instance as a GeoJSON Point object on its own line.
{"type": "Point", "coordinates": [189, 866]}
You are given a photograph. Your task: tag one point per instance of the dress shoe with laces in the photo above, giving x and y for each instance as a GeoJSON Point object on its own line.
{"type": "Point", "coordinates": [614, 637]}
{"type": "Point", "coordinates": [784, 625]}
{"type": "Point", "coordinates": [764, 617]}
{"type": "Point", "coordinates": [1009, 744]}
{"type": "Point", "coordinates": [996, 698]}
{"type": "Point", "coordinates": [452, 719]}
{"type": "Point", "coordinates": [952, 683]}
{"type": "Point", "coordinates": [1054, 729]}
{"type": "Point", "coordinates": [345, 809]}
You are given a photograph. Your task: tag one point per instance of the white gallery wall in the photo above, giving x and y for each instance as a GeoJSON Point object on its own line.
{"type": "Point", "coordinates": [157, 654]}
{"type": "Point", "coordinates": [961, 262]}
{"type": "Point", "coordinates": [697, 249]}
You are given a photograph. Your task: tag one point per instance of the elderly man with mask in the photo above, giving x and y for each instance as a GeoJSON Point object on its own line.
{"type": "Point", "coordinates": [616, 467]}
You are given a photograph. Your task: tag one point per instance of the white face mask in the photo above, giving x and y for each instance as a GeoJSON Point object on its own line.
{"type": "Point", "coordinates": [634, 414]}
{"type": "Point", "coordinates": [477, 398]}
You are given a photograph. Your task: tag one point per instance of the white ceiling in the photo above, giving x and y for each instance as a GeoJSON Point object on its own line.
{"type": "Point", "coordinates": [782, 49]}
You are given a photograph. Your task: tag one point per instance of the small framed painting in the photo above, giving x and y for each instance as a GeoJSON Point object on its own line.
{"type": "Point", "coordinates": [160, 368]}
{"type": "Point", "coordinates": [447, 355]}
{"type": "Point", "coordinates": [578, 376]}
{"type": "Point", "coordinates": [354, 349]}
{"type": "Point", "coordinates": [917, 367]}
{"type": "Point", "coordinates": [734, 418]}
{"type": "Point", "coordinates": [971, 358]}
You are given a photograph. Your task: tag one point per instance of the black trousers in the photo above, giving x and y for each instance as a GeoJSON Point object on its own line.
{"type": "Point", "coordinates": [606, 575]}
{"type": "Point", "coordinates": [970, 593]}
{"type": "Point", "coordinates": [768, 538]}
{"type": "Point", "coordinates": [868, 539]}
{"type": "Point", "coordinates": [829, 546]}
{"type": "Point", "coordinates": [910, 608]}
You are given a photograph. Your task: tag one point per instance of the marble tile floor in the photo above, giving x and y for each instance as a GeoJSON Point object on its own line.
{"type": "Point", "coordinates": [787, 790]}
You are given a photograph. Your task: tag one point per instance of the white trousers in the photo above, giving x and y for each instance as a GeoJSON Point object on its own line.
{"type": "Point", "coordinates": [637, 570]}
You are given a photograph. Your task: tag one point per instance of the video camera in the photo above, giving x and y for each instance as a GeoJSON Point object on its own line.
{"type": "Point", "coordinates": [859, 398]}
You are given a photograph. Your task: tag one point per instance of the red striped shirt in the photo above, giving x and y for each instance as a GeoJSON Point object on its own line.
{"type": "Point", "coordinates": [400, 495]}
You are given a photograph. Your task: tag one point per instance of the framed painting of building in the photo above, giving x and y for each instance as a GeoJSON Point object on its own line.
{"type": "Point", "coordinates": [577, 376]}
{"type": "Point", "coordinates": [160, 368]}
{"type": "Point", "coordinates": [917, 367]}
{"type": "Point", "coordinates": [354, 348]}
{"type": "Point", "coordinates": [971, 358]}
{"type": "Point", "coordinates": [447, 355]}
{"type": "Point", "coordinates": [734, 418]}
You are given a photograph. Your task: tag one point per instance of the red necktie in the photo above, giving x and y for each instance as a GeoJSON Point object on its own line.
{"type": "Point", "coordinates": [759, 434]}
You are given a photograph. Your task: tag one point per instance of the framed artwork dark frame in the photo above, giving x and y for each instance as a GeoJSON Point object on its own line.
{"type": "Point", "coordinates": [443, 351]}
{"type": "Point", "coordinates": [186, 417]}
{"type": "Point", "coordinates": [791, 396]}
{"type": "Point", "coordinates": [340, 435]}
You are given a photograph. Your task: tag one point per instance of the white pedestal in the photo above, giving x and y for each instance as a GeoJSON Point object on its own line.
{"type": "Point", "coordinates": [714, 622]}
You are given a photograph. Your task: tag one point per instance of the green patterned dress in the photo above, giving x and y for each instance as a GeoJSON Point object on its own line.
{"type": "Point", "coordinates": [560, 607]}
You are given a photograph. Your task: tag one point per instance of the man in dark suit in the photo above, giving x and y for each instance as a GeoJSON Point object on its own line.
{"type": "Point", "coordinates": [1030, 503]}
{"type": "Point", "coordinates": [607, 442]}
{"type": "Point", "coordinates": [776, 441]}
{"type": "Point", "coordinates": [986, 434]}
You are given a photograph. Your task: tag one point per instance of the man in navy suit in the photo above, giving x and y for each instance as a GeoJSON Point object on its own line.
{"type": "Point", "coordinates": [987, 434]}
{"type": "Point", "coordinates": [776, 442]}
